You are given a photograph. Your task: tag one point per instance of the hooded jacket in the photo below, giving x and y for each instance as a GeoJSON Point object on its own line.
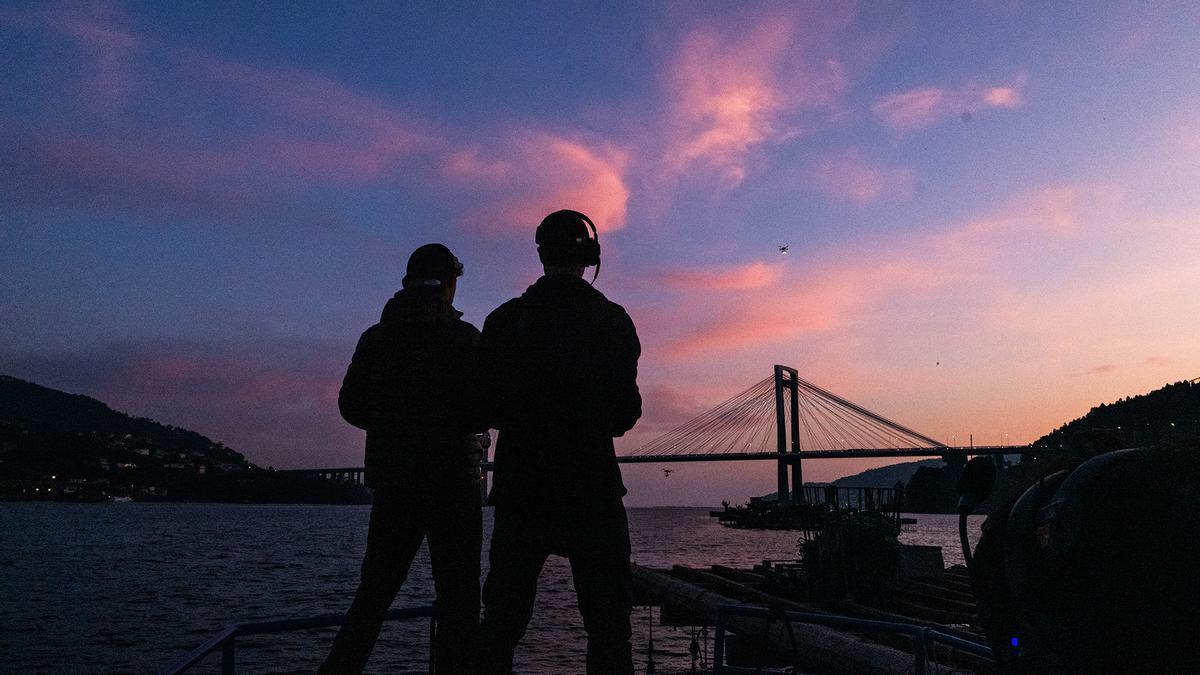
{"type": "Point", "coordinates": [408, 387]}
{"type": "Point", "coordinates": [559, 369]}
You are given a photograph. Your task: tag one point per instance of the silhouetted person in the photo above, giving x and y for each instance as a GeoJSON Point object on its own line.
{"type": "Point", "coordinates": [560, 365]}
{"type": "Point", "coordinates": [405, 386]}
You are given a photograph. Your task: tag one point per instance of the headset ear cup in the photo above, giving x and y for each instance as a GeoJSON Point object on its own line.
{"type": "Point", "coordinates": [591, 252]}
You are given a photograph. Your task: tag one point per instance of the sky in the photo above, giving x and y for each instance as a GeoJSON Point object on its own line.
{"type": "Point", "coordinates": [990, 207]}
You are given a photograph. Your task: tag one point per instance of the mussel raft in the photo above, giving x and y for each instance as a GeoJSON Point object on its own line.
{"type": "Point", "coordinates": [940, 599]}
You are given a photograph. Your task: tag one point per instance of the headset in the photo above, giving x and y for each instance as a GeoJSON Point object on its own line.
{"type": "Point", "coordinates": [581, 250]}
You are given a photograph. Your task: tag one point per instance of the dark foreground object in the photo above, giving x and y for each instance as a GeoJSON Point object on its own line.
{"type": "Point", "coordinates": [769, 621]}
{"type": "Point", "coordinates": [1095, 569]}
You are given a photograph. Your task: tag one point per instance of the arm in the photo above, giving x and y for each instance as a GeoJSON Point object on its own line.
{"type": "Point", "coordinates": [625, 401]}
{"type": "Point", "coordinates": [468, 379]}
{"type": "Point", "coordinates": [353, 399]}
{"type": "Point", "coordinates": [488, 402]}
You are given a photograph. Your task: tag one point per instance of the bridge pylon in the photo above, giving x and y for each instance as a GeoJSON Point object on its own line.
{"type": "Point", "coordinates": [786, 380]}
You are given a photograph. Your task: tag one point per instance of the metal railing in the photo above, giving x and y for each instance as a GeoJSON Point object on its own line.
{"type": "Point", "coordinates": [226, 640]}
{"type": "Point", "coordinates": [921, 636]}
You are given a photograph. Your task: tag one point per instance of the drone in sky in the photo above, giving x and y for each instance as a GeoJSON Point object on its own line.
{"type": "Point", "coordinates": [667, 473]}
{"type": "Point", "coordinates": [783, 250]}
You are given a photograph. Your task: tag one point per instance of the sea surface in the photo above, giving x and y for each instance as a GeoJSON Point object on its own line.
{"type": "Point", "coordinates": [131, 587]}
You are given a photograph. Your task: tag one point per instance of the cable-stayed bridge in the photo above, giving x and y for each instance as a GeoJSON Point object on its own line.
{"type": "Point", "coordinates": [781, 418]}
{"type": "Point", "coordinates": [786, 419]}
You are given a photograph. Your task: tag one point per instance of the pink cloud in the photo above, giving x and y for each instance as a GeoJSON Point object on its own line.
{"type": "Point", "coordinates": [469, 164]}
{"type": "Point", "coordinates": [920, 108]}
{"type": "Point", "coordinates": [815, 299]}
{"type": "Point", "coordinates": [1003, 97]}
{"type": "Point", "coordinates": [751, 275]}
{"type": "Point", "coordinates": [729, 91]}
{"type": "Point", "coordinates": [807, 299]}
{"type": "Point", "coordinates": [723, 106]}
{"type": "Point", "coordinates": [753, 324]}
{"type": "Point", "coordinates": [537, 173]}
{"type": "Point", "coordinates": [850, 177]}
{"type": "Point", "coordinates": [1049, 213]}
{"type": "Point", "coordinates": [913, 109]}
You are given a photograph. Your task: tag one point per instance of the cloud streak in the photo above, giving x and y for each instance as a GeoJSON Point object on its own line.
{"type": "Point", "coordinates": [724, 277]}
{"type": "Point", "coordinates": [295, 130]}
{"type": "Point", "coordinates": [849, 284]}
{"type": "Point", "coordinates": [920, 108]}
{"type": "Point", "coordinates": [850, 177]}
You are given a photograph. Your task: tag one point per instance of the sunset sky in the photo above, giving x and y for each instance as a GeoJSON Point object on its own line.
{"type": "Point", "coordinates": [992, 208]}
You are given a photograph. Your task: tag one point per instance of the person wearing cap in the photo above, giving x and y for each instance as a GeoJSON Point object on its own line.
{"type": "Point", "coordinates": [405, 387]}
{"type": "Point", "coordinates": [559, 365]}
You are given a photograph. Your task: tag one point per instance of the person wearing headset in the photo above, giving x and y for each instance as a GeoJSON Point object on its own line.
{"type": "Point", "coordinates": [405, 387]}
{"type": "Point", "coordinates": [559, 365]}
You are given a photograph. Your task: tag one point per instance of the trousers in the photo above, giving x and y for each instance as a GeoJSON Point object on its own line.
{"type": "Point", "coordinates": [597, 547]}
{"type": "Point", "coordinates": [450, 517]}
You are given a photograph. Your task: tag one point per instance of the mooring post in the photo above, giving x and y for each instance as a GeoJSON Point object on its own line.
{"type": "Point", "coordinates": [781, 437]}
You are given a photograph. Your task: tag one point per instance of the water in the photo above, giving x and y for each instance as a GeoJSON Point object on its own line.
{"type": "Point", "coordinates": [132, 587]}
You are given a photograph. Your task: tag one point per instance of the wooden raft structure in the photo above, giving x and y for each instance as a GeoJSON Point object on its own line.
{"type": "Point", "coordinates": [690, 597]}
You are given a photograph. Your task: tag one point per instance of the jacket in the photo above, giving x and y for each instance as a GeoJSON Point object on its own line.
{"type": "Point", "coordinates": [559, 370]}
{"type": "Point", "coordinates": [408, 387]}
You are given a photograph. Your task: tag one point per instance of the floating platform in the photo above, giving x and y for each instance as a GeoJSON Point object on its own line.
{"type": "Point", "coordinates": [811, 507]}
{"type": "Point", "coordinates": [690, 597]}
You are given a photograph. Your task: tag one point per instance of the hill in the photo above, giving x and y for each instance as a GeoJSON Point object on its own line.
{"type": "Point", "coordinates": [46, 431]}
{"type": "Point", "coordinates": [69, 447]}
{"type": "Point", "coordinates": [887, 476]}
{"type": "Point", "coordinates": [1167, 414]}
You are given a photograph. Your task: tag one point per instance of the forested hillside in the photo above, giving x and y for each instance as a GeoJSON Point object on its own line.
{"type": "Point", "coordinates": [1168, 414]}
{"type": "Point", "coordinates": [67, 447]}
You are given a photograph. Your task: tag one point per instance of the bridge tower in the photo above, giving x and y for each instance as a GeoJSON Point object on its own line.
{"type": "Point", "coordinates": [786, 379]}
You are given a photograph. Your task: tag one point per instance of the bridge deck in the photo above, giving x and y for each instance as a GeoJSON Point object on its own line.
{"type": "Point", "coordinates": [831, 454]}
{"type": "Point", "coordinates": [776, 456]}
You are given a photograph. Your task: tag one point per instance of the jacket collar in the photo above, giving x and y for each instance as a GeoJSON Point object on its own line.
{"type": "Point", "coordinates": [560, 284]}
{"type": "Point", "coordinates": [414, 307]}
